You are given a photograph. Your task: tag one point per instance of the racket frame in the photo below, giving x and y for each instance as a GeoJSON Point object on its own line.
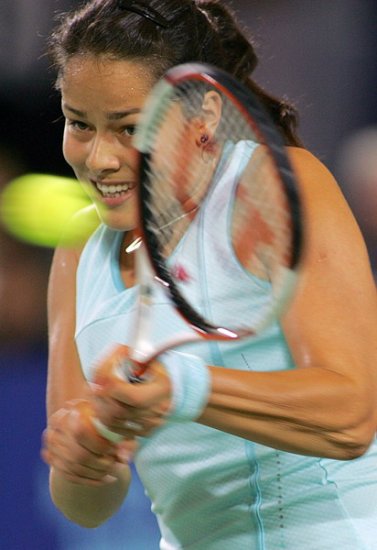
{"type": "Point", "coordinates": [262, 126]}
{"type": "Point", "coordinates": [150, 266]}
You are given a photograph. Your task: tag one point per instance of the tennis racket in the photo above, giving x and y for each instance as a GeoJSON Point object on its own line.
{"type": "Point", "coordinates": [219, 213]}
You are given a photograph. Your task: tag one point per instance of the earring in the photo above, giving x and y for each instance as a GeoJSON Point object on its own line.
{"type": "Point", "coordinates": [203, 140]}
{"type": "Point", "coordinates": [206, 144]}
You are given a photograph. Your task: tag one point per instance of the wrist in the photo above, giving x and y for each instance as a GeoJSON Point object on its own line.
{"type": "Point", "coordinates": [191, 385]}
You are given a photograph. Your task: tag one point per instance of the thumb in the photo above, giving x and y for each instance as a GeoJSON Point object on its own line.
{"type": "Point", "coordinates": [109, 369]}
{"type": "Point", "coordinates": [126, 450]}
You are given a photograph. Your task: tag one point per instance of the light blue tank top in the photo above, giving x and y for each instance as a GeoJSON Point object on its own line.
{"type": "Point", "coordinates": [211, 490]}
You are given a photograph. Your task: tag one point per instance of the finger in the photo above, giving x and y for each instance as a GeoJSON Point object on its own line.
{"type": "Point", "coordinates": [108, 368]}
{"type": "Point", "coordinates": [106, 480]}
{"type": "Point", "coordinates": [90, 482]}
{"type": "Point", "coordinates": [76, 419]}
{"type": "Point", "coordinates": [107, 407]}
{"type": "Point", "coordinates": [150, 394]}
{"type": "Point", "coordinates": [79, 479]}
{"type": "Point", "coordinates": [127, 450]}
{"type": "Point", "coordinates": [69, 461]}
{"type": "Point", "coordinates": [115, 415]}
{"type": "Point", "coordinates": [69, 451]}
{"type": "Point", "coordinates": [67, 448]}
{"type": "Point", "coordinates": [82, 428]}
{"type": "Point", "coordinates": [144, 426]}
{"type": "Point", "coordinates": [108, 382]}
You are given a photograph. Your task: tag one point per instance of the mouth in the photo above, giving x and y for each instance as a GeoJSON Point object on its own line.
{"type": "Point", "coordinates": [112, 190]}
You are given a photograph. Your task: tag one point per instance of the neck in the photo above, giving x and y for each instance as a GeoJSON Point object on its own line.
{"type": "Point", "coordinates": [126, 258]}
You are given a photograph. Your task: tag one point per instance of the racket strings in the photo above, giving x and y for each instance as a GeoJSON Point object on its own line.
{"type": "Point", "coordinates": [183, 169]}
{"type": "Point", "coordinates": [261, 224]}
{"type": "Point", "coordinates": [177, 187]}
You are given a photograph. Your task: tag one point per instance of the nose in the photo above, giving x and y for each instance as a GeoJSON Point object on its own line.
{"type": "Point", "coordinates": [103, 155]}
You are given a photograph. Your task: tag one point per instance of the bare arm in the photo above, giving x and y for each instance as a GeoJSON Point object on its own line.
{"type": "Point", "coordinates": [327, 406]}
{"type": "Point", "coordinates": [87, 481]}
{"type": "Point", "coordinates": [65, 378]}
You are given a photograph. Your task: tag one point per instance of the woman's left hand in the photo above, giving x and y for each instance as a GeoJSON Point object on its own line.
{"type": "Point", "coordinates": [130, 408]}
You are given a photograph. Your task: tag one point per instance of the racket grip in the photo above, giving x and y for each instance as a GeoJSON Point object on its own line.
{"type": "Point", "coordinates": [105, 432]}
{"type": "Point", "coordinates": [128, 370]}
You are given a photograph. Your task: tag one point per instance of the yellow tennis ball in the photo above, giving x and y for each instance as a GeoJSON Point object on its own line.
{"type": "Point", "coordinates": [42, 209]}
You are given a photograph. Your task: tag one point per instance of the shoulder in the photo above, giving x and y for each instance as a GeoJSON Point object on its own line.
{"type": "Point", "coordinates": [335, 259]}
{"type": "Point", "coordinates": [76, 235]}
{"type": "Point", "coordinates": [328, 217]}
{"type": "Point", "coordinates": [81, 229]}
{"type": "Point", "coordinates": [335, 301]}
{"type": "Point", "coordinates": [312, 175]}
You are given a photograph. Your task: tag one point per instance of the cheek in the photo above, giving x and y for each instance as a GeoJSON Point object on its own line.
{"type": "Point", "coordinates": [73, 151]}
{"type": "Point", "coordinates": [133, 157]}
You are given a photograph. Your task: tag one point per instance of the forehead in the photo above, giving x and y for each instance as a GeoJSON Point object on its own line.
{"type": "Point", "coordinates": [92, 80]}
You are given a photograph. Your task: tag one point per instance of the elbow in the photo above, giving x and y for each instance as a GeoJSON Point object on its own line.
{"type": "Point", "coordinates": [353, 440]}
{"type": "Point", "coordinates": [349, 448]}
{"type": "Point", "coordinates": [353, 428]}
{"type": "Point", "coordinates": [78, 517]}
{"type": "Point", "coordinates": [88, 506]}
{"type": "Point", "coordinates": [87, 523]}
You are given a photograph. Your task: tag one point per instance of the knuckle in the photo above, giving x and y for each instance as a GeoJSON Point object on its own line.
{"type": "Point", "coordinates": [79, 432]}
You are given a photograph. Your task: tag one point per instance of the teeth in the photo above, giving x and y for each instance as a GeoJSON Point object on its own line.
{"type": "Point", "coordinates": [112, 189]}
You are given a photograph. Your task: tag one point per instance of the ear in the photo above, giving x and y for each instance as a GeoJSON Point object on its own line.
{"type": "Point", "coordinates": [211, 110]}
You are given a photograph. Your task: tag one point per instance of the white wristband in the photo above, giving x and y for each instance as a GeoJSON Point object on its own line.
{"type": "Point", "coordinates": [191, 383]}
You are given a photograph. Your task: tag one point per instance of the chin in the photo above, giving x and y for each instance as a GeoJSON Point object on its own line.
{"type": "Point", "coordinates": [118, 223]}
{"type": "Point", "coordinates": [116, 219]}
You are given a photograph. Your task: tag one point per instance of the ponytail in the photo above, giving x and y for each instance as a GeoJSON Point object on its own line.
{"type": "Point", "coordinates": [240, 59]}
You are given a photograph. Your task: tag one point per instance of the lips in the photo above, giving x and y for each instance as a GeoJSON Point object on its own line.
{"type": "Point", "coordinates": [113, 189]}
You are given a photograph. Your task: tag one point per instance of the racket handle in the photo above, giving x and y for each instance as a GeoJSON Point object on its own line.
{"type": "Point", "coordinates": [126, 371]}
{"type": "Point", "coordinates": [106, 433]}
{"type": "Point", "coordinates": [130, 370]}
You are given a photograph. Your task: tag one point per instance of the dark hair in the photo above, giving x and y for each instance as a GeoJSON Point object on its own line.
{"type": "Point", "coordinates": [162, 34]}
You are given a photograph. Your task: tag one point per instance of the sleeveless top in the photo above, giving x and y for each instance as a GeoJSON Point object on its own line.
{"type": "Point", "coordinates": [211, 490]}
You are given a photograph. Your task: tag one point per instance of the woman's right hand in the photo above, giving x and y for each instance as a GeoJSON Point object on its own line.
{"type": "Point", "coordinates": [72, 445]}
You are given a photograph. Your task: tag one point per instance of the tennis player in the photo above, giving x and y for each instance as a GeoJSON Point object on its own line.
{"type": "Point", "coordinates": [269, 444]}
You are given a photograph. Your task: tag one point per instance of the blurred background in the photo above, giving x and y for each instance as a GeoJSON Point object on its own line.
{"type": "Point", "coordinates": [322, 55]}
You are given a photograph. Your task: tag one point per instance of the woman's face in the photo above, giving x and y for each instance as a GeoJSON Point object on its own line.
{"type": "Point", "coordinates": [101, 103]}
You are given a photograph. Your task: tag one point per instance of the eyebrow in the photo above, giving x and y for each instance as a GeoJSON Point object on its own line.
{"type": "Point", "coordinates": [112, 115]}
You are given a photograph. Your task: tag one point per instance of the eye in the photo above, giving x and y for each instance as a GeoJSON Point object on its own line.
{"type": "Point", "coordinates": [78, 125]}
{"type": "Point", "coordinates": [129, 130]}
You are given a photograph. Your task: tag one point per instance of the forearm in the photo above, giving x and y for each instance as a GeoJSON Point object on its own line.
{"type": "Point", "coordinates": [88, 506]}
{"type": "Point", "coordinates": [308, 411]}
